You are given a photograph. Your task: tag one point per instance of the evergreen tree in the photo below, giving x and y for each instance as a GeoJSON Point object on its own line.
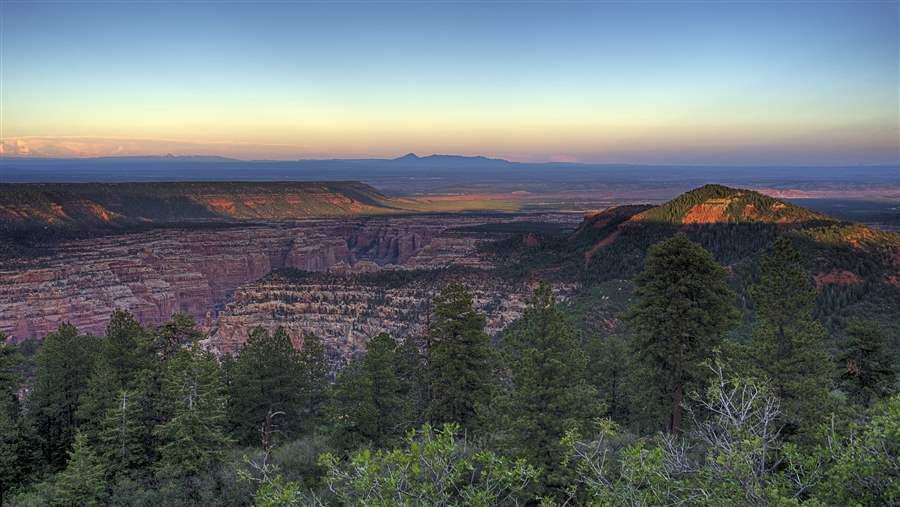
{"type": "Point", "coordinates": [551, 394]}
{"type": "Point", "coordinates": [123, 364]}
{"type": "Point", "coordinates": [460, 358]}
{"type": "Point", "coordinates": [98, 397]}
{"type": "Point", "coordinates": [265, 378]}
{"type": "Point", "coordinates": [351, 409]}
{"type": "Point", "coordinates": [126, 349]}
{"type": "Point", "coordinates": [411, 371]}
{"type": "Point", "coordinates": [13, 466]}
{"type": "Point", "coordinates": [685, 306]}
{"type": "Point", "coordinates": [371, 403]}
{"type": "Point", "coordinates": [314, 380]}
{"type": "Point", "coordinates": [11, 450]}
{"type": "Point", "coordinates": [167, 340]}
{"type": "Point", "coordinates": [173, 335]}
{"type": "Point", "coordinates": [64, 363]}
{"type": "Point", "coordinates": [870, 370]}
{"type": "Point", "coordinates": [390, 390]}
{"type": "Point", "coordinates": [195, 438]}
{"type": "Point", "coordinates": [618, 378]}
{"type": "Point", "coordinates": [787, 342]}
{"type": "Point", "coordinates": [123, 435]}
{"type": "Point", "coordinates": [83, 481]}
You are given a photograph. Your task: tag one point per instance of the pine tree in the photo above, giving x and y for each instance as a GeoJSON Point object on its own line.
{"type": "Point", "coordinates": [123, 434]}
{"type": "Point", "coordinates": [11, 447]}
{"type": "Point", "coordinates": [351, 409]}
{"type": "Point", "coordinates": [615, 374]}
{"type": "Point", "coordinates": [266, 377]}
{"type": "Point", "coordinates": [98, 397]}
{"type": "Point", "coordinates": [390, 391]}
{"type": "Point", "coordinates": [411, 371]}
{"type": "Point", "coordinates": [126, 349]}
{"type": "Point", "coordinates": [12, 442]}
{"type": "Point", "coordinates": [314, 380]}
{"type": "Point", "coordinates": [685, 306]}
{"type": "Point", "coordinates": [166, 341]}
{"type": "Point", "coordinates": [124, 364]}
{"type": "Point", "coordinates": [787, 342]}
{"type": "Point", "coordinates": [173, 335]}
{"type": "Point", "coordinates": [83, 481]}
{"type": "Point", "coordinates": [63, 364]}
{"type": "Point", "coordinates": [371, 401]}
{"type": "Point", "coordinates": [460, 358]}
{"type": "Point", "coordinates": [551, 394]}
{"type": "Point", "coordinates": [870, 370]}
{"type": "Point", "coordinates": [195, 437]}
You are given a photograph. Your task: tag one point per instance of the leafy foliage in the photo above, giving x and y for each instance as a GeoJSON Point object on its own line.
{"type": "Point", "coordinates": [435, 467]}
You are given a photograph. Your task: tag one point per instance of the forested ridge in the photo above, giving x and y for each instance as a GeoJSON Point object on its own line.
{"type": "Point", "coordinates": [682, 374]}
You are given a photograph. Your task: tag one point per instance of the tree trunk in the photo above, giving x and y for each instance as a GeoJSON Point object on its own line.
{"type": "Point", "coordinates": [674, 422]}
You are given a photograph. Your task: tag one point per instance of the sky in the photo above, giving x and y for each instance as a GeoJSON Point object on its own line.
{"type": "Point", "coordinates": [662, 82]}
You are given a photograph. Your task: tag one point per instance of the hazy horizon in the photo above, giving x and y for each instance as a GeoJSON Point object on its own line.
{"type": "Point", "coordinates": [738, 83]}
{"type": "Point", "coordinates": [200, 157]}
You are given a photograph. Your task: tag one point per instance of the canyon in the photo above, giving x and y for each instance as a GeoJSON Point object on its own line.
{"type": "Point", "coordinates": [348, 278]}
{"type": "Point", "coordinates": [217, 273]}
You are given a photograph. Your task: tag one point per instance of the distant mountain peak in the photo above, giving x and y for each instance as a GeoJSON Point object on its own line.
{"type": "Point", "coordinates": [444, 160]}
{"type": "Point", "coordinates": [720, 204]}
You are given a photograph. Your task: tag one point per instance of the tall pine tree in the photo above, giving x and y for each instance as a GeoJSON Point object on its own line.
{"type": "Point", "coordinates": [314, 381]}
{"type": "Point", "coordinates": [787, 342]}
{"type": "Point", "coordinates": [83, 481]}
{"type": "Point", "coordinates": [550, 391]}
{"type": "Point", "coordinates": [460, 358]}
{"type": "Point", "coordinates": [63, 364]}
{"type": "Point", "coordinates": [685, 305]}
{"type": "Point", "coordinates": [124, 366]}
{"type": "Point", "coordinates": [351, 409]}
{"type": "Point", "coordinates": [412, 373]}
{"type": "Point", "coordinates": [126, 349]}
{"type": "Point", "coordinates": [194, 438]}
{"type": "Point", "coordinates": [372, 402]}
{"type": "Point", "coordinates": [266, 377]}
{"type": "Point", "coordinates": [13, 462]}
{"type": "Point", "coordinates": [122, 435]}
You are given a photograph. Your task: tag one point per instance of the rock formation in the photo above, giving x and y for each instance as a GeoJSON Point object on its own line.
{"type": "Point", "coordinates": [196, 270]}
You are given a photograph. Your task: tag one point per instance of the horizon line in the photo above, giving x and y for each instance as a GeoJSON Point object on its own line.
{"type": "Point", "coordinates": [413, 155]}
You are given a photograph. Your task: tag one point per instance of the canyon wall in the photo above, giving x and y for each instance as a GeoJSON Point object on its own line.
{"type": "Point", "coordinates": [346, 311]}
{"type": "Point", "coordinates": [196, 270]}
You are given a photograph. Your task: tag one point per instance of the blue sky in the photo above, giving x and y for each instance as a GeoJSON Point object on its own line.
{"type": "Point", "coordinates": [656, 82]}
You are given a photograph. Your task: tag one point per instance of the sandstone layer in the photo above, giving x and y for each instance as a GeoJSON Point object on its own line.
{"type": "Point", "coordinates": [346, 311]}
{"type": "Point", "coordinates": [196, 270]}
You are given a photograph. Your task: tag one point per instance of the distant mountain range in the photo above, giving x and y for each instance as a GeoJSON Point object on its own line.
{"type": "Point", "coordinates": [449, 173]}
